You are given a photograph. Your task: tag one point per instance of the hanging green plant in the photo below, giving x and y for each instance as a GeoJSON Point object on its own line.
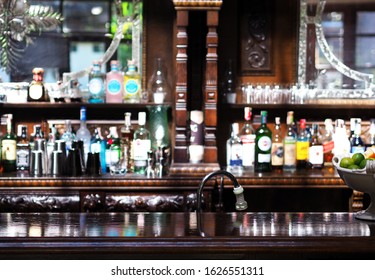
{"type": "Point", "coordinates": [17, 20]}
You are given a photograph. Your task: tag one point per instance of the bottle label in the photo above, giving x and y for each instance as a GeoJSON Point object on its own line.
{"type": "Point", "coordinates": [248, 147]}
{"type": "Point", "coordinates": [358, 149]}
{"type": "Point", "coordinates": [131, 87]}
{"type": "Point", "coordinates": [316, 155]}
{"type": "Point", "coordinates": [302, 150]}
{"type": "Point", "coordinates": [141, 147]}
{"type": "Point", "coordinates": [277, 154]}
{"type": "Point", "coordinates": [264, 158]}
{"type": "Point", "coordinates": [114, 87]}
{"type": "Point", "coordinates": [290, 153]}
{"type": "Point", "coordinates": [95, 86]}
{"type": "Point", "coordinates": [8, 151]}
{"type": "Point", "coordinates": [36, 92]}
{"type": "Point", "coordinates": [328, 146]}
{"type": "Point", "coordinates": [23, 158]}
{"type": "Point", "coordinates": [264, 143]}
{"type": "Point", "coordinates": [236, 155]}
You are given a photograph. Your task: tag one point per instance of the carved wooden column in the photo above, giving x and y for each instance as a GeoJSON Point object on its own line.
{"type": "Point", "coordinates": [181, 163]}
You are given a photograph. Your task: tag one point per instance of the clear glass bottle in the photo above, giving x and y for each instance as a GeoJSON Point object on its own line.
{"type": "Point", "coordinates": [141, 145]}
{"type": "Point", "coordinates": [9, 147]}
{"type": "Point", "coordinates": [127, 133]}
{"type": "Point", "coordinates": [290, 140]}
{"type": "Point", "coordinates": [36, 91]}
{"type": "Point", "coordinates": [83, 133]}
{"type": "Point", "coordinates": [247, 136]}
{"type": "Point", "coordinates": [132, 84]}
{"type": "Point", "coordinates": [316, 155]}
{"type": "Point", "coordinates": [68, 136]}
{"type": "Point", "coordinates": [356, 144]}
{"type": "Point", "coordinates": [96, 84]}
{"type": "Point", "coordinates": [327, 142]}
{"type": "Point", "coordinates": [277, 152]}
{"type": "Point", "coordinates": [340, 139]}
{"type": "Point", "coordinates": [263, 146]}
{"type": "Point", "coordinates": [234, 151]}
{"type": "Point", "coordinates": [370, 140]}
{"type": "Point", "coordinates": [158, 86]}
{"type": "Point", "coordinates": [23, 150]}
{"type": "Point", "coordinates": [302, 145]}
{"type": "Point", "coordinates": [114, 84]}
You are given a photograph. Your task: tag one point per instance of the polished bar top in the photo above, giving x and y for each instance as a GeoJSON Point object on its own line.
{"type": "Point", "coordinates": [186, 235]}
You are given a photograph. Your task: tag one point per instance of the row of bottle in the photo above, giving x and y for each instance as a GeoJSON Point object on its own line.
{"type": "Point", "coordinates": [265, 149]}
{"type": "Point", "coordinates": [115, 86]}
{"type": "Point", "coordinates": [129, 152]}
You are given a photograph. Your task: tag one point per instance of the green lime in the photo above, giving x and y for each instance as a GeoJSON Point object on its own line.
{"type": "Point", "coordinates": [353, 166]}
{"type": "Point", "coordinates": [346, 161]}
{"type": "Point", "coordinates": [363, 164]}
{"type": "Point", "coordinates": [357, 158]}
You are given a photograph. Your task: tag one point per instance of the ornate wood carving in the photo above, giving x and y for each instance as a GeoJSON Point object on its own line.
{"type": "Point", "coordinates": [145, 203]}
{"type": "Point", "coordinates": [256, 34]}
{"type": "Point", "coordinates": [38, 203]}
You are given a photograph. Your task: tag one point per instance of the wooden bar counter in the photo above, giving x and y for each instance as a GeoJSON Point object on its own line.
{"type": "Point", "coordinates": [230, 235]}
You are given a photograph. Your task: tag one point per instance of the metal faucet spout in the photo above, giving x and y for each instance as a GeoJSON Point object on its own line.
{"type": "Point", "coordinates": [241, 204]}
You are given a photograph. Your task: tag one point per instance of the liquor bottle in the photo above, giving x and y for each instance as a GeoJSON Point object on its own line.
{"type": "Point", "coordinates": [36, 91]}
{"type": "Point", "coordinates": [370, 141]}
{"type": "Point", "coordinates": [114, 84]}
{"type": "Point", "coordinates": [132, 84]}
{"type": "Point", "coordinates": [277, 151]}
{"type": "Point", "coordinates": [8, 144]}
{"type": "Point", "coordinates": [109, 141]}
{"type": "Point", "coordinates": [229, 91]}
{"type": "Point", "coordinates": [247, 136]}
{"type": "Point", "coordinates": [263, 145]}
{"type": "Point", "coordinates": [96, 84]}
{"type": "Point", "coordinates": [141, 145]}
{"type": "Point", "coordinates": [23, 151]}
{"type": "Point", "coordinates": [127, 133]}
{"type": "Point", "coordinates": [98, 145]}
{"type": "Point", "coordinates": [316, 155]}
{"type": "Point", "coordinates": [157, 85]}
{"type": "Point", "coordinates": [341, 141]}
{"type": "Point", "coordinates": [234, 151]}
{"type": "Point", "coordinates": [356, 144]}
{"type": "Point", "coordinates": [327, 142]}
{"type": "Point", "coordinates": [116, 163]}
{"type": "Point", "coordinates": [83, 133]}
{"type": "Point", "coordinates": [302, 145]}
{"type": "Point", "coordinates": [51, 145]}
{"type": "Point", "coordinates": [290, 140]}
{"type": "Point", "coordinates": [68, 136]}
{"type": "Point", "coordinates": [36, 135]}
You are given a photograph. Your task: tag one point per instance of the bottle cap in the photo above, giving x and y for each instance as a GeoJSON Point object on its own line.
{"type": "Point", "coordinates": [142, 118]}
{"type": "Point", "coordinates": [302, 123]}
{"type": "Point", "coordinates": [247, 113]}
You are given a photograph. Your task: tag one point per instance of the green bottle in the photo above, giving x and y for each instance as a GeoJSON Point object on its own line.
{"type": "Point", "coordinates": [9, 144]}
{"type": "Point", "coordinates": [263, 145]}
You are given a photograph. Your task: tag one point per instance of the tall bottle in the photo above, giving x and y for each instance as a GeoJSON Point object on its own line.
{"type": "Point", "coordinates": [114, 84]}
{"type": "Point", "coordinates": [234, 151]}
{"type": "Point", "coordinates": [302, 145]}
{"type": "Point", "coordinates": [96, 84]}
{"type": "Point", "coordinates": [68, 136]}
{"type": "Point", "coordinates": [98, 145]}
{"type": "Point", "coordinates": [132, 84]}
{"type": "Point", "coordinates": [340, 139]}
{"type": "Point", "coordinates": [83, 133]}
{"type": "Point", "coordinates": [127, 133]}
{"type": "Point", "coordinates": [141, 145]}
{"type": "Point", "coordinates": [356, 144]}
{"type": "Point", "coordinates": [116, 163]}
{"type": "Point", "coordinates": [36, 91]}
{"type": "Point", "coordinates": [23, 151]}
{"type": "Point", "coordinates": [316, 155]}
{"type": "Point", "coordinates": [158, 86]}
{"type": "Point", "coordinates": [370, 140]}
{"type": "Point", "coordinates": [247, 136]}
{"type": "Point", "coordinates": [277, 152]}
{"type": "Point", "coordinates": [263, 145]}
{"type": "Point", "coordinates": [290, 140]}
{"type": "Point", "coordinates": [328, 143]}
{"type": "Point", "coordinates": [9, 147]}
